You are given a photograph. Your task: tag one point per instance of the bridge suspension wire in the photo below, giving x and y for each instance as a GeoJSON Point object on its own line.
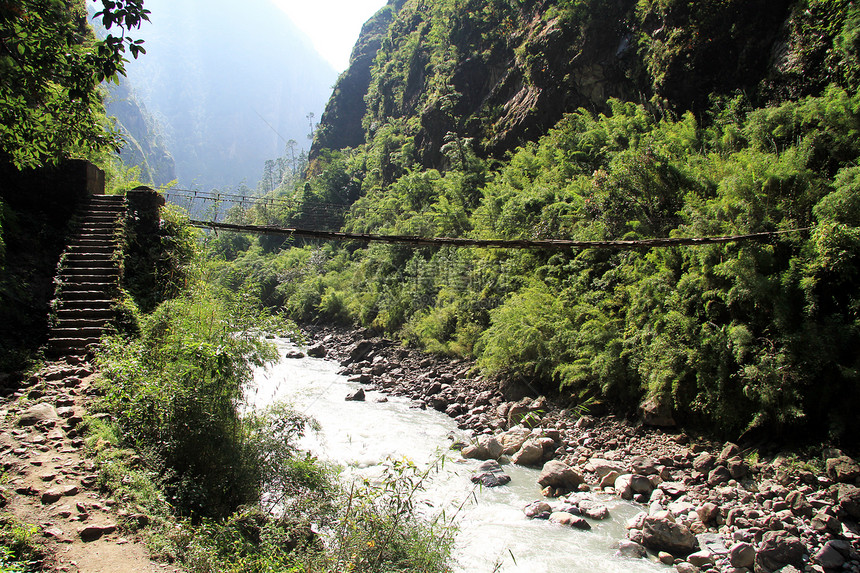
{"type": "Point", "coordinates": [554, 244]}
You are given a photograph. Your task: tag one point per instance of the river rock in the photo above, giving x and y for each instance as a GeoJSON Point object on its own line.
{"type": "Point", "coordinates": [485, 448]}
{"type": "Point", "coordinates": [593, 509]}
{"type": "Point", "coordinates": [704, 462]}
{"type": "Point", "coordinates": [843, 469]}
{"type": "Point", "coordinates": [622, 486]}
{"type": "Point", "coordinates": [565, 518]}
{"type": "Point", "coordinates": [558, 474]}
{"type": "Point", "coordinates": [660, 534]}
{"type": "Point", "coordinates": [513, 439]}
{"type": "Point", "coordinates": [357, 396]}
{"type": "Point", "coordinates": [38, 413]}
{"type": "Point", "coordinates": [360, 351]}
{"type": "Point", "coordinates": [294, 354]}
{"type": "Point", "coordinates": [631, 549]}
{"type": "Point", "coordinates": [848, 500]}
{"type": "Point", "coordinates": [603, 467]}
{"type": "Point", "coordinates": [641, 484]}
{"type": "Point", "coordinates": [798, 504]}
{"type": "Point", "coordinates": [719, 475]}
{"type": "Point", "coordinates": [656, 412]}
{"type": "Point", "coordinates": [778, 549]}
{"type": "Point", "coordinates": [701, 558]}
{"type": "Point", "coordinates": [742, 554]}
{"type": "Point", "coordinates": [317, 351]}
{"type": "Point", "coordinates": [538, 510]}
{"type": "Point", "coordinates": [829, 557]}
{"type": "Point", "coordinates": [490, 474]}
{"type": "Point", "coordinates": [530, 454]}
{"type": "Point", "coordinates": [609, 479]}
{"type": "Point", "coordinates": [643, 465]}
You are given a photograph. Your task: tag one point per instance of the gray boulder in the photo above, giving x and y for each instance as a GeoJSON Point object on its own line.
{"type": "Point", "coordinates": [843, 469]}
{"type": "Point", "coordinates": [486, 448]}
{"type": "Point", "coordinates": [656, 412]}
{"type": "Point", "coordinates": [513, 439]}
{"type": "Point", "coordinates": [490, 474]}
{"type": "Point", "coordinates": [660, 534]}
{"type": "Point", "coordinates": [530, 454]}
{"type": "Point", "coordinates": [38, 413]}
{"type": "Point", "coordinates": [778, 549]}
{"type": "Point", "coordinates": [558, 474]}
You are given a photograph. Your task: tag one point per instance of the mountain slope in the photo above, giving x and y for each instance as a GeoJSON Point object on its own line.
{"type": "Point", "coordinates": [230, 83]}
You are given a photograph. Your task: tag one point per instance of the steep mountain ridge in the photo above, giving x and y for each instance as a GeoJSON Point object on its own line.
{"type": "Point", "coordinates": [503, 72]}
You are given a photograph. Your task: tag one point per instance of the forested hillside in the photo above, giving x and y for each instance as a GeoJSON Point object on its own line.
{"type": "Point", "coordinates": [599, 120]}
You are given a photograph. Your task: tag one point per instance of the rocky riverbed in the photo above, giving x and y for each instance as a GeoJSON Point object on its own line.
{"type": "Point", "coordinates": [708, 507]}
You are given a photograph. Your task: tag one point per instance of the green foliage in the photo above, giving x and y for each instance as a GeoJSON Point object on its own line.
{"type": "Point", "coordinates": [175, 393]}
{"type": "Point", "coordinates": [19, 552]}
{"type": "Point", "coordinates": [52, 65]}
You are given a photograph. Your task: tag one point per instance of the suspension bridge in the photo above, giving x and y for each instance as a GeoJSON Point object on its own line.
{"type": "Point", "coordinates": [321, 219]}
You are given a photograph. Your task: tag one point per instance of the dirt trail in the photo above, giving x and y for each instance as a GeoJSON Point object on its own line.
{"type": "Point", "coordinates": [51, 485]}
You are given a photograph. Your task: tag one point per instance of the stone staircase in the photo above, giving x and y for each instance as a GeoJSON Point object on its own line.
{"type": "Point", "coordinates": [88, 277]}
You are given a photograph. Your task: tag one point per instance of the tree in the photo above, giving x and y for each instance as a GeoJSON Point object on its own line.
{"type": "Point", "coordinates": [51, 65]}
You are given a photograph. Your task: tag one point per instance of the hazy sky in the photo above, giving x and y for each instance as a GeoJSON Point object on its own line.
{"type": "Point", "coordinates": [332, 25]}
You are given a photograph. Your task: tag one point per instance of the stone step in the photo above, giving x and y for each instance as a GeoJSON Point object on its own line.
{"type": "Point", "coordinates": [89, 282]}
{"type": "Point", "coordinates": [84, 313]}
{"type": "Point", "coordinates": [83, 294]}
{"type": "Point", "coordinates": [82, 322]}
{"type": "Point", "coordinates": [89, 263]}
{"type": "Point", "coordinates": [68, 272]}
{"type": "Point", "coordinates": [69, 345]}
{"type": "Point", "coordinates": [82, 332]}
{"type": "Point", "coordinates": [84, 303]}
{"type": "Point", "coordinates": [81, 244]}
{"type": "Point", "coordinates": [75, 256]}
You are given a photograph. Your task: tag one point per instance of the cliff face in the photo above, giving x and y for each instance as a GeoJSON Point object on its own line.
{"type": "Point", "coordinates": [340, 125]}
{"type": "Point", "coordinates": [502, 73]}
{"type": "Point", "coordinates": [144, 145]}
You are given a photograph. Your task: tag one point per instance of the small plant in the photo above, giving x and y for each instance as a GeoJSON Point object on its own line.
{"type": "Point", "coordinates": [19, 553]}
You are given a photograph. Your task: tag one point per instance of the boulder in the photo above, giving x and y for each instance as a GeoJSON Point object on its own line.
{"type": "Point", "coordinates": [568, 519]}
{"type": "Point", "coordinates": [603, 467]}
{"type": "Point", "coordinates": [486, 448]}
{"type": "Point", "coordinates": [843, 469]}
{"type": "Point", "coordinates": [530, 454]}
{"type": "Point", "coordinates": [38, 413]}
{"type": "Point", "coordinates": [538, 510]}
{"type": "Point", "coordinates": [641, 484]}
{"type": "Point", "coordinates": [778, 549]}
{"type": "Point", "coordinates": [742, 554]}
{"type": "Point", "coordinates": [643, 465]}
{"type": "Point", "coordinates": [317, 351]}
{"type": "Point", "coordinates": [719, 475]}
{"type": "Point", "coordinates": [294, 354]}
{"type": "Point", "coordinates": [848, 500]}
{"type": "Point", "coordinates": [513, 439]}
{"type": "Point", "coordinates": [490, 474]}
{"type": "Point", "coordinates": [357, 396]}
{"type": "Point", "coordinates": [622, 486]}
{"type": "Point", "coordinates": [558, 474]}
{"type": "Point", "coordinates": [593, 509]}
{"type": "Point", "coordinates": [704, 462]}
{"type": "Point", "coordinates": [656, 412]}
{"type": "Point", "coordinates": [829, 557]}
{"type": "Point", "coordinates": [631, 549]}
{"type": "Point", "coordinates": [609, 479]}
{"type": "Point", "coordinates": [660, 534]}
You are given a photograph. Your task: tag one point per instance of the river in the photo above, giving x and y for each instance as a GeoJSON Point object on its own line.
{"type": "Point", "coordinates": [494, 534]}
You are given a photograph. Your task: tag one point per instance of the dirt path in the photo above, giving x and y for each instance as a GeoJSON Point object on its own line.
{"type": "Point", "coordinates": [51, 485]}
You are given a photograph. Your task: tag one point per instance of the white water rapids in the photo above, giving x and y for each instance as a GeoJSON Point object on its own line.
{"type": "Point", "coordinates": [494, 534]}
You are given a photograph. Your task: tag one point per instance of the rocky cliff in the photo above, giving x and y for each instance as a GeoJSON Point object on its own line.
{"type": "Point", "coordinates": [502, 73]}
